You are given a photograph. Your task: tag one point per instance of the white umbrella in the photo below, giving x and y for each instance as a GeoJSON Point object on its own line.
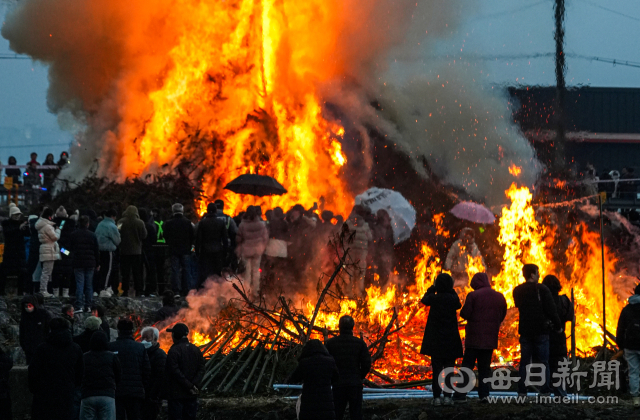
{"type": "Point", "coordinates": [402, 214]}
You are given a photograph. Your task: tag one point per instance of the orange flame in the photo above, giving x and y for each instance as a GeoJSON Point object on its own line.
{"type": "Point", "coordinates": [515, 170]}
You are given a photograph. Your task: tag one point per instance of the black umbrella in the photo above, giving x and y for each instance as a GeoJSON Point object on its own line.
{"type": "Point", "coordinates": [253, 184]}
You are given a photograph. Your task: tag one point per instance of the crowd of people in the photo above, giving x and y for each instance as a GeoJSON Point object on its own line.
{"type": "Point", "coordinates": [90, 376]}
{"type": "Point", "coordinates": [33, 176]}
{"type": "Point", "coordinates": [62, 254]}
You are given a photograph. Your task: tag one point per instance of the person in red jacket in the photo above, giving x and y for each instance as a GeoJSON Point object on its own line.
{"type": "Point", "coordinates": [484, 309]}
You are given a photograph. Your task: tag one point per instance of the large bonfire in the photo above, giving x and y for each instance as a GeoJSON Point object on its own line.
{"type": "Point", "coordinates": [215, 89]}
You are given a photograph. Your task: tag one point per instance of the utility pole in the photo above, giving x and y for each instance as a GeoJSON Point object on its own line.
{"type": "Point", "coordinates": [558, 145]}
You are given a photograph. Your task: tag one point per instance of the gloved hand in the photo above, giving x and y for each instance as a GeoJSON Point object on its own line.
{"type": "Point", "coordinates": [431, 290]}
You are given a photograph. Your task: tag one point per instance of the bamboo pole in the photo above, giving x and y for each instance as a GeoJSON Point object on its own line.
{"type": "Point", "coordinates": [221, 348]}
{"type": "Point", "coordinates": [273, 370]}
{"type": "Point", "coordinates": [604, 295]}
{"type": "Point", "coordinates": [253, 370]}
{"type": "Point", "coordinates": [233, 380]}
{"type": "Point", "coordinates": [324, 293]}
{"type": "Point", "coordinates": [242, 353]}
{"type": "Point", "coordinates": [216, 369]}
{"type": "Point", "coordinates": [269, 356]}
{"type": "Point", "coordinates": [573, 332]}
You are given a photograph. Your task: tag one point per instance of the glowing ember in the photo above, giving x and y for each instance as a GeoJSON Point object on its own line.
{"type": "Point", "coordinates": [515, 170]}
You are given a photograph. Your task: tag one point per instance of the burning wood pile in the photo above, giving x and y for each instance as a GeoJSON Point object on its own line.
{"type": "Point", "coordinates": [253, 341]}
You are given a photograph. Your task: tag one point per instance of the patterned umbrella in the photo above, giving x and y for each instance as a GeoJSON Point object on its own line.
{"type": "Point", "coordinates": [473, 212]}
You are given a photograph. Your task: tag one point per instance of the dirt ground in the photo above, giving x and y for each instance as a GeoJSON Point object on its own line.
{"type": "Point", "coordinates": [264, 408]}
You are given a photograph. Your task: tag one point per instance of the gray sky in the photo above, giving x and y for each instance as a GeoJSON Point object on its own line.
{"type": "Point", "coordinates": [498, 28]}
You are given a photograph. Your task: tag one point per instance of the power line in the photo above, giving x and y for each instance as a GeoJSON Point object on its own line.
{"type": "Point", "coordinates": [508, 12]}
{"type": "Point", "coordinates": [34, 145]}
{"type": "Point", "coordinates": [615, 12]}
{"type": "Point", "coordinates": [484, 57]}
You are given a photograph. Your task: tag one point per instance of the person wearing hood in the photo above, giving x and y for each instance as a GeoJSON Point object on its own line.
{"type": "Point", "coordinates": [62, 268]}
{"type": "Point", "coordinates": [557, 339]}
{"type": "Point", "coordinates": [628, 339]}
{"type": "Point", "coordinates": [34, 326]}
{"type": "Point", "coordinates": [158, 359]}
{"type": "Point", "coordinates": [55, 371]}
{"type": "Point", "coordinates": [133, 232]}
{"type": "Point", "coordinates": [180, 236]}
{"type": "Point", "coordinates": [458, 257]}
{"type": "Point", "coordinates": [360, 246]}
{"type": "Point", "coordinates": [107, 279]}
{"type": "Point", "coordinates": [91, 325]}
{"type": "Point", "coordinates": [441, 336]}
{"type": "Point", "coordinates": [14, 263]}
{"type": "Point", "coordinates": [6, 364]}
{"type": "Point", "coordinates": [183, 374]}
{"type": "Point", "coordinates": [212, 244]}
{"type": "Point", "coordinates": [136, 372]}
{"type": "Point", "coordinates": [102, 373]}
{"type": "Point", "coordinates": [99, 312]}
{"type": "Point", "coordinates": [48, 235]}
{"type": "Point", "coordinates": [251, 241]}
{"type": "Point", "coordinates": [317, 370]}
{"type": "Point", "coordinates": [484, 309]}
{"type": "Point", "coordinates": [354, 362]}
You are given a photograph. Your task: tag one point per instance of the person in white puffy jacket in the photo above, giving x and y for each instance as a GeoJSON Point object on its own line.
{"type": "Point", "coordinates": [48, 234]}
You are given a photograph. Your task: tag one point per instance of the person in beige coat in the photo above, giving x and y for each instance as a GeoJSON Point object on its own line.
{"type": "Point", "coordinates": [360, 246]}
{"type": "Point", "coordinates": [48, 234]}
{"type": "Point", "coordinates": [251, 242]}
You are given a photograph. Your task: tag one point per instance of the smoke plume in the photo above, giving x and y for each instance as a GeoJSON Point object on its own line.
{"type": "Point", "coordinates": [166, 81]}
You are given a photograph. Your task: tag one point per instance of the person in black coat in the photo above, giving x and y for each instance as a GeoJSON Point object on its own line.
{"type": "Point", "coordinates": [99, 312]}
{"type": "Point", "coordinates": [184, 373]}
{"type": "Point", "coordinates": [34, 326]}
{"type": "Point", "coordinates": [158, 360]}
{"type": "Point", "coordinates": [212, 244]}
{"type": "Point", "coordinates": [63, 268]}
{"type": "Point", "coordinates": [91, 325]}
{"type": "Point", "coordinates": [628, 340]}
{"type": "Point", "coordinates": [148, 256]}
{"type": "Point", "coordinates": [317, 370]}
{"type": "Point", "coordinates": [558, 339]}
{"type": "Point", "coordinates": [54, 372]}
{"type": "Point", "coordinates": [441, 336]}
{"type": "Point", "coordinates": [14, 262]}
{"type": "Point", "coordinates": [538, 318]}
{"type": "Point", "coordinates": [86, 260]}
{"type": "Point", "coordinates": [354, 362]}
{"type": "Point", "coordinates": [180, 237]}
{"type": "Point", "coordinates": [6, 363]}
{"type": "Point", "coordinates": [102, 373]}
{"type": "Point", "coordinates": [136, 372]}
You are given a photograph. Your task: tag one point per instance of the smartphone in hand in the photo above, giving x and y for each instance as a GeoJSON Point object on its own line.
{"type": "Point", "coordinates": [62, 224]}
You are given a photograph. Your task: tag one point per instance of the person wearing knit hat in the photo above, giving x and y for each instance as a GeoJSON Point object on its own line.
{"type": "Point", "coordinates": [14, 211]}
{"type": "Point", "coordinates": [61, 213]}
{"type": "Point", "coordinates": [12, 205]}
{"type": "Point", "coordinates": [91, 325]}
